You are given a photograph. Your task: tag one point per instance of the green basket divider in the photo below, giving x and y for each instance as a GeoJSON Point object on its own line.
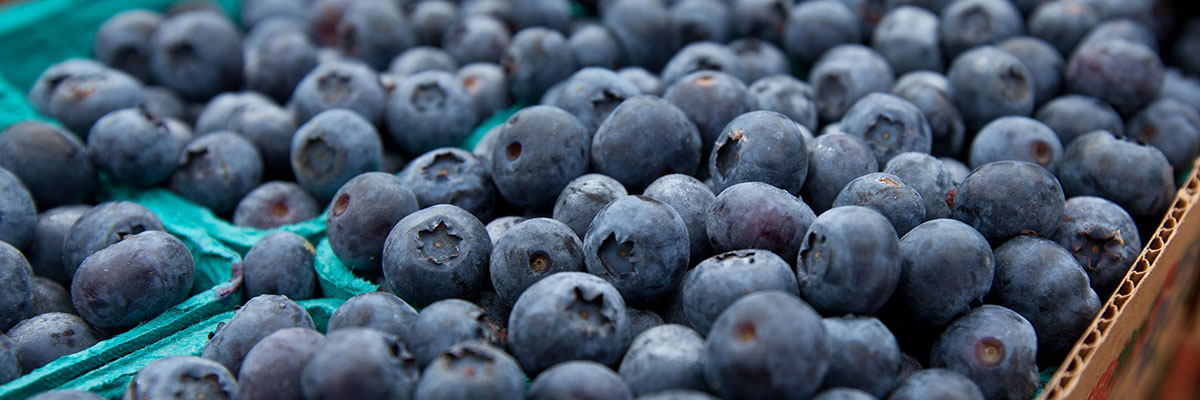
{"type": "Point", "coordinates": [336, 279]}
{"type": "Point", "coordinates": [13, 106]}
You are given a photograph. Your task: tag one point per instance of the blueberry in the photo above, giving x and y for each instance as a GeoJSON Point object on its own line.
{"type": "Point", "coordinates": [16, 298]}
{"type": "Point", "coordinates": [1137, 177]}
{"type": "Point", "coordinates": [664, 358]}
{"type": "Point", "coordinates": [929, 177]}
{"type": "Point", "coordinates": [710, 99]}
{"type": "Point", "coordinates": [332, 148]}
{"type": "Point", "coordinates": [104, 225]}
{"type": "Point", "coordinates": [1125, 74]}
{"type": "Point", "coordinates": [132, 280]}
{"type": "Point", "coordinates": [1003, 199]}
{"type": "Point", "coordinates": [530, 141]}
{"type": "Point", "coordinates": [889, 124]}
{"type": "Point", "coordinates": [535, 59]}
{"type": "Point", "coordinates": [259, 33]}
{"type": "Point", "coordinates": [644, 31]}
{"type": "Point", "coordinates": [677, 395]}
{"type": "Point", "coordinates": [568, 316]}
{"type": "Point", "coordinates": [1171, 126]}
{"type": "Point", "coordinates": [10, 366]}
{"type": "Point", "coordinates": [530, 251]}
{"type": "Point", "coordinates": [272, 367]}
{"type": "Point", "coordinates": [887, 194]}
{"type": "Point", "coordinates": [929, 91]}
{"type": "Point", "coordinates": [760, 146]}
{"type": "Point", "coordinates": [123, 42]}
{"type": "Point", "coordinates": [936, 383]}
{"type": "Point", "coordinates": [691, 199]}
{"type": "Point", "coordinates": [591, 94]}
{"type": "Point", "coordinates": [164, 102]}
{"type": "Point", "coordinates": [486, 85]}
{"type": "Point", "coordinates": [845, 74]}
{"type": "Point", "coordinates": [1121, 29]}
{"type": "Point", "coordinates": [359, 363]}
{"type": "Point", "coordinates": [1102, 237]}
{"type": "Point", "coordinates": [81, 97]}
{"type": "Point", "coordinates": [47, 83]}
{"type": "Point", "coordinates": [280, 263]}
{"type": "Point", "coordinates": [702, 56]}
{"type": "Point", "coordinates": [429, 110]}
{"type": "Point", "coordinates": [446, 323]}
{"type": "Point", "coordinates": [1063, 23]}
{"type": "Point", "coordinates": [339, 84]}
{"type": "Point", "coordinates": [49, 297]}
{"type": "Point", "coordinates": [958, 171]}
{"type": "Point", "coordinates": [199, 54]}
{"type": "Point", "coordinates": [993, 346]}
{"type": "Point", "coordinates": [501, 225]}
{"type": "Point", "coordinates": [362, 214]}
{"type": "Point", "coordinates": [1041, 280]}
{"type": "Point", "coordinates": [451, 176]}
{"type": "Point", "coordinates": [720, 280]}
{"type": "Point", "coordinates": [755, 215]}
{"type": "Point", "coordinates": [472, 370]}
{"type": "Point", "coordinates": [843, 394]}
{"type": "Point", "coordinates": [1044, 62]}
{"type": "Point", "coordinates": [64, 394]}
{"type": "Point", "coordinates": [909, 38]}
{"type": "Point", "coordinates": [767, 345]}
{"type": "Point", "coordinates": [762, 19]}
{"type": "Point", "coordinates": [640, 245]}
{"type": "Point", "coordinates": [583, 198]}
{"type": "Point", "coordinates": [259, 317]}
{"type": "Point", "coordinates": [970, 23]}
{"type": "Point", "coordinates": [814, 27]}
{"type": "Point", "coordinates": [945, 266]}
{"type": "Point", "coordinates": [373, 31]}
{"type": "Point", "coordinates": [835, 159]}
{"type": "Point", "coordinates": [593, 45]}
{"type": "Point", "coordinates": [1185, 89]}
{"type": "Point", "coordinates": [848, 263]}
{"type": "Point", "coordinates": [787, 95]}
{"type": "Point", "coordinates": [257, 12]}
{"type": "Point", "coordinates": [646, 82]}
{"type": "Point", "coordinates": [863, 354]}
{"type": "Point", "coordinates": [477, 38]}
{"type": "Point", "coordinates": [701, 20]}
{"type": "Point", "coordinates": [495, 309]}
{"type": "Point", "coordinates": [1020, 139]}
{"type": "Point", "coordinates": [421, 59]}
{"type": "Point", "coordinates": [266, 125]}
{"type": "Point", "coordinates": [552, 14]}
{"type": "Point", "coordinates": [216, 170]}
{"type": "Point", "coordinates": [499, 9]}
{"type": "Point", "coordinates": [579, 379]}
{"type": "Point", "coordinates": [323, 17]}
{"type": "Point", "coordinates": [1072, 116]}
{"type": "Point", "coordinates": [46, 337]}
{"type": "Point", "coordinates": [1184, 49]}
{"type": "Point", "coordinates": [220, 111]}
{"type": "Point", "coordinates": [181, 377]}
{"type": "Point", "coordinates": [431, 19]}
{"type": "Point", "coordinates": [276, 64]}
{"type": "Point", "coordinates": [642, 320]}
{"type": "Point", "coordinates": [381, 311]}
{"type": "Point", "coordinates": [274, 204]}
{"type": "Point", "coordinates": [436, 253]}
{"type": "Point", "coordinates": [136, 147]}
{"type": "Point", "coordinates": [987, 83]}
{"type": "Point", "coordinates": [760, 59]}
{"type": "Point", "coordinates": [52, 163]}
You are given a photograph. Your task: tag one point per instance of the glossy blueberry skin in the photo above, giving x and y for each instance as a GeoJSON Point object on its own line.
{"type": "Point", "coordinates": [451, 176]}
{"type": "Point", "coordinates": [446, 323]}
{"type": "Point", "coordinates": [181, 377]}
{"type": "Point", "coordinates": [1003, 199]}
{"type": "Point", "coordinates": [530, 251]}
{"type": "Point", "coordinates": [363, 211]}
{"type": "Point", "coordinates": [579, 379]}
{"type": "Point", "coordinates": [993, 346]}
{"type": "Point", "coordinates": [929, 177]}
{"type": "Point", "coordinates": [440, 252]}
{"type": "Point", "coordinates": [52, 163]}
{"type": "Point", "coordinates": [123, 42]}
{"type": "Point", "coordinates": [499, 226]}
{"type": "Point", "coordinates": [1041, 280]}
{"type": "Point", "coordinates": [381, 311]}
{"type": "Point", "coordinates": [1020, 139]}
{"type": "Point", "coordinates": [767, 345]}
{"type": "Point", "coordinates": [889, 124]}
{"type": "Point", "coordinates": [583, 198]}
{"type": "Point", "coordinates": [835, 159]}
{"type": "Point", "coordinates": [421, 59]}
{"type": "Point", "coordinates": [55, 75]}
{"type": "Point", "coordinates": [568, 316]}
{"type": "Point", "coordinates": [814, 27]}
{"type": "Point", "coordinates": [49, 297]}
{"type": "Point", "coordinates": [274, 204]}
{"type": "Point", "coordinates": [987, 83]}
{"type": "Point", "coordinates": [1124, 74]}
{"type": "Point", "coordinates": [760, 59]}
{"type": "Point", "coordinates": [16, 299]}
{"type": "Point", "coordinates": [531, 140]}
{"type": "Point", "coordinates": [199, 54]}
{"type": "Point", "coordinates": [132, 280]}
{"type": "Point", "coordinates": [1135, 176]}
{"type": "Point", "coordinates": [46, 337]}
{"type": "Point", "coordinates": [845, 74]}
{"type": "Point", "coordinates": [277, 63]}
{"type": "Point", "coordinates": [1102, 237]}
{"type": "Point", "coordinates": [788, 96]}
{"type": "Point", "coordinates": [339, 84]}
{"type": "Point", "coordinates": [936, 383]}
{"type": "Point", "coordinates": [664, 358]}
{"type": "Point", "coordinates": [136, 147]}
{"type": "Point", "coordinates": [472, 370]}
{"type": "Point", "coordinates": [755, 215]}
{"type": "Point", "coordinates": [848, 263]}
{"type": "Point", "coordinates": [887, 194]}
{"type": "Point", "coordinates": [1171, 126]}
{"type": "Point", "coordinates": [702, 56]}
{"type": "Point", "coordinates": [691, 199]}
{"type": "Point", "coordinates": [641, 246]}
{"type": "Point", "coordinates": [374, 32]}
{"type": "Point", "coordinates": [259, 317]}
{"type": "Point", "coordinates": [280, 263]}
{"type": "Point", "coordinates": [10, 366]}
{"type": "Point", "coordinates": [535, 59]}
{"type": "Point", "coordinates": [909, 38]}
{"type": "Point", "coordinates": [591, 94]}
{"type": "Point", "coordinates": [593, 45]}
{"type": "Point", "coordinates": [1044, 62]}
{"type": "Point", "coordinates": [929, 92]}
{"type": "Point", "coordinates": [1063, 23]}
{"type": "Point", "coordinates": [646, 82]}
{"type": "Point", "coordinates": [430, 20]}
{"type": "Point", "coordinates": [710, 99]}
{"type": "Point", "coordinates": [486, 85]}
{"type": "Point", "coordinates": [272, 367]}
{"type": "Point", "coordinates": [720, 280]}
{"type": "Point", "coordinates": [429, 110]}
{"type": "Point", "coordinates": [477, 38]}
{"type": "Point", "coordinates": [266, 125]}
{"type": "Point", "coordinates": [102, 226]}
{"type": "Point", "coordinates": [760, 146]}
{"type": "Point", "coordinates": [643, 30]}
{"type": "Point", "coordinates": [622, 150]}
{"type": "Point", "coordinates": [1121, 29]}
{"type": "Point", "coordinates": [359, 363]}
{"type": "Point", "coordinates": [863, 355]}
{"type": "Point", "coordinates": [63, 394]}
{"type": "Point", "coordinates": [701, 20]}
{"type": "Point", "coordinates": [1071, 116]}
{"type": "Point", "coordinates": [934, 289]}
{"type": "Point", "coordinates": [971, 23]}
{"type": "Point", "coordinates": [332, 148]}
{"type": "Point", "coordinates": [216, 170]}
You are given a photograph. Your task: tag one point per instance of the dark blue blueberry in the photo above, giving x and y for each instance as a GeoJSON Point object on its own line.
{"type": "Point", "coordinates": [709, 99]}
{"type": "Point", "coordinates": [323, 17]}
{"type": "Point", "coordinates": [421, 59]}
{"type": "Point", "coordinates": [899, 202]}
{"type": "Point", "coordinates": [256, 12]}
{"type": "Point", "coordinates": [339, 84]}
{"type": "Point", "coordinates": [970, 23]}
{"type": "Point", "coordinates": [583, 198]}
{"type": "Point", "coordinates": [552, 14]}
{"type": "Point", "coordinates": [720, 280]}
{"type": "Point", "coordinates": [640, 245]}
{"type": "Point", "coordinates": [381, 311]}
{"type": "Point", "coordinates": [429, 110]}
{"type": "Point", "coordinates": [334, 147]}
{"type": "Point", "coordinates": [1185, 89]}
{"type": "Point", "coordinates": [958, 171]}
{"type": "Point", "coordinates": [845, 74]}
{"type": "Point", "coordinates": [499, 9]}
{"type": "Point", "coordinates": [929, 91]}
{"type": "Point", "coordinates": [910, 39]}
{"type": "Point", "coordinates": [1044, 62]}
{"type": "Point", "coordinates": [199, 54]}
{"type": "Point", "coordinates": [863, 354]}
{"type": "Point", "coordinates": [46, 337]}
{"type": "Point", "coordinates": [646, 82]}
{"type": "Point", "coordinates": [568, 316]}
{"type": "Point", "coordinates": [530, 142]}
{"type": "Point", "coordinates": [65, 394]}
{"type": "Point", "coordinates": [767, 345]}
{"type": "Point", "coordinates": [1063, 23]}
{"type": "Point", "coordinates": [591, 94]}
{"type": "Point", "coordinates": [889, 124]}
{"type": "Point", "coordinates": [644, 31]}
{"type": "Point", "coordinates": [499, 226]}
{"type": "Point", "coordinates": [677, 395]}
{"type": "Point", "coordinates": [642, 320]}
{"type": "Point", "coordinates": [843, 394]}
{"type": "Point", "coordinates": [259, 33]}
{"type": "Point", "coordinates": [1125, 74]}
{"type": "Point", "coordinates": [946, 265]}
{"type": "Point", "coordinates": [374, 31]}
{"type": "Point", "coordinates": [593, 45]}
{"type": "Point", "coordinates": [136, 147]}
{"type": "Point", "coordinates": [760, 146]}
{"type": "Point", "coordinates": [359, 363]}
{"type": "Point", "coordinates": [440, 252]}
{"type": "Point", "coordinates": [486, 85]}
{"type": "Point", "coordinates": [362, 214]}
{"type": "Point", "coordinates": [104, 225]}
{"type": "Point", "coordinates": [1171, 126]}
{"type": "Point", "coordinates": [55, 75]}
{"type": "Point", "coordinates": [1020, 139]}
{"type": "Point", "coordinates": [478, 38]}
{"type": "Point", "coordinates": [259, 317]}
{"type": "Point", "coordinates": [451, 176]}
{"type": "Point", "coordinates": [936, 383]}
{"type": "Point", "coordinates": [577, 380]}
{"type": "Point", "coordinates": [16, 280]}
{"type": "Point", "coordinates": [702, 56]}
{"type": "Point", "coordinates": [132, 280]}
{"type": "Point", "coordinates": [664, 358]}
{"type": "Point", "coordinates": [181, 377]}
{"type": "Point", "coordinates": [1137, 177]}
{"type": "Point", "coordinates": [51, 162]}
{"type": "Point", "coordinates": [274, 204]}
{"type": "Point", "coordinates": [691, 199]}
{"type": "Point", "coordinates": [814, 27]}
{"type": "Point", "coordinates": [530, 251]}
{"type": "Point", "coordinates": [1103, 239]}
{"type": "Point", "coordinates": [788, 96]}
{"type": "Point", "coordinates": [280, 263]}
{"type": "Point", "coordinates": [1121, 29]}
{"type": "Point", "coordinates": [987, 83]}
{"type": "Point", "coordinates": [471, 370]}
{"type": "Point", "coordinates": [10, 366]}
{"type": "Point", "coordinates": [276, 64]}
{"type": "Point", "coordinates": [446, 323]}
{"type": "Point", "coordinates": [164, 102]}
{"type": "Point", "coordinates": [993, 346]}
{"type": "Point", "coordinates": [835, 159]}
{"type": "Point", "coordinates": [50, 297]}
{"type": "Point", "coordinates": [848, 263]}
{"type": "Point", "coordinates": [929, 177]}
{"type": "Point", "coordinates": [536, 59]}
{"type": "Point", "coordinates": [220, 111]}
{"type": "Point", "coordinates": [622, 150]}
{"type": "Point", "coordinates": [762, 19]}
{"type": "Point", "coordinates": [123, 42]}
{"type": "Point", "coordinates": [701, 20]}
{"type": "Point", "coordinates": [494, 308]}
{"type": "Point", "coordinates": [1184, 51]}
{"type": "Point", "coordinates": [755, 215]}
{"type": "Point", "coordinates": [216, 170]}
{"type": "Point", "coordinates": [79, 98]}
{"type": "Point", "coordinates": [760, 59]}
{"type": "Point", "coordinates": [431, 20]}
{"type": "Point", "coordinates": [1003, 199]}
{"type": "Point", "coordinates": [1072, 116]}
{"type": "Point", "coordinates": [272, 367]}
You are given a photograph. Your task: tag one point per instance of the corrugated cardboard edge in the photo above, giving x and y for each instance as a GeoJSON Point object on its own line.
{"type": "Point", "coordinates": [1088, 372]}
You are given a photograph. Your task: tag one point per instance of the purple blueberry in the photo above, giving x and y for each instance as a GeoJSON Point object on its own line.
{"type": "Point", "coordinates": [102, 226]}
{"type": "Point", "coordinates": [132, 280]}
{"type": "Point", "coordinates": [274, 204]}
{"type": "Point", "coordinates": [755, 215]}
{"type": "Point", "coordinates": [51, 162]}
{"type": "Point", "coordinates": [44, 338]}
{"type": "Point", "coordinates": [1125, 74]}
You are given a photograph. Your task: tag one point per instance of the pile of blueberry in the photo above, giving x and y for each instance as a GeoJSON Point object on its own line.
{"type": "Point", "coordinates": [660, 221]}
